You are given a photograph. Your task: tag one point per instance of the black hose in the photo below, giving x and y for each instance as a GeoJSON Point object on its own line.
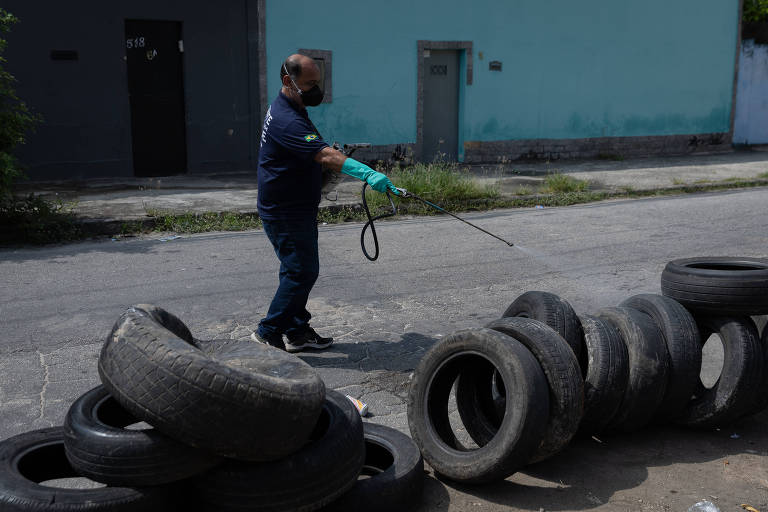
{"type": "Point", "coordinates": [370, 223]}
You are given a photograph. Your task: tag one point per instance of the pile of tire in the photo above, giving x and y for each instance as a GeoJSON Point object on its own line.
{"type": "Point", "coordinates": [222, 425]}
{"type": "Point", "coordinates": [526, 384]}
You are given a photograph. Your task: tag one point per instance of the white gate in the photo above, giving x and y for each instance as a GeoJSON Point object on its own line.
{"type": "Point", "coordinates": [751, 119]}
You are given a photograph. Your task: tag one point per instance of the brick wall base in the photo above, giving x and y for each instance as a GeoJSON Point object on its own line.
{"type": "Point", "coordinates": [386, 153]}
{"type": "Point", "coordinates": [476, 152]}
{"type": "Point", "coordinates": [599, 147]}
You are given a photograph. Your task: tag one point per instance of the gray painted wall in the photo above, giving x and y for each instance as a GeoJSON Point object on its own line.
{"type": "Point", "coordinates": [87, 129]}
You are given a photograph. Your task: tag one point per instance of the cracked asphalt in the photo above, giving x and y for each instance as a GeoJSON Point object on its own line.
{"type": "Point", "coordinates": [434, 276]}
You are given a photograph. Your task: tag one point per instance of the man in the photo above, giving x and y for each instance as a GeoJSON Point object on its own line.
{"type": "Point", "coordinates": [291, 160]}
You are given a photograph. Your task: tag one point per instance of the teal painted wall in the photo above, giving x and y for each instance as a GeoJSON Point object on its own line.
{"type": "Point", "coordinates": [595, 68]}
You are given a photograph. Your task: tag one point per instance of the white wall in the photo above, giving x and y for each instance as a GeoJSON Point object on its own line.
{"type": "Point", "coordinates": [751, 121]}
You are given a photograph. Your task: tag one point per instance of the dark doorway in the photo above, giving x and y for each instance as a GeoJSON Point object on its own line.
{"type": "Point", "coordinates": [441, 105]}
{"type": "Point", "coordinates": [156, 89]}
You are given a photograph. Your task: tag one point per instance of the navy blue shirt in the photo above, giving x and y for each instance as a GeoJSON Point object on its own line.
{"type": "Point", "coordinates": [289, 179]}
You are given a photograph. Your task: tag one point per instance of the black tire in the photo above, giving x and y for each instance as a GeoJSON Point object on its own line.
{"type": "Point", "coordinates": [683, 343]}
{"type": "Point", "coordinates": [476, 353]}
{"type": "Point", "coordinates": [765, 333]}
{"type": "Point", "coordinates": [481, 399]}
{"type": "Point", "coordinates": [648, 367]}
{"type": "Point", "coordinates": [395, 469]}
{"type": "Point", "coordinates": [607, 374]}
{"type": "Point", "coordinates": [760, 323]}
{"type": "Point", "coordinates": [323, 470]}
{"type": "Point", "coordinates": [100, 448]}
{"type": "Point", "coordinates": [38, 456]}
{"type": "Point", "coordinates": [733, 394]}
{"type": "Point", "coordinates": [761, 401]}
{"type": "Point", "coordinates": [718, 285]}
{"type": "Point", "coordinates": [554, 311]}
{"type": "Point", "coordinates": [566, 388]}
{"type": "Point", "coordinates": [251, 401]}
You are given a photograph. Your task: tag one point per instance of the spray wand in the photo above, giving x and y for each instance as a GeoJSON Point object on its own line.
{"type": "Point", "coordinates": [404, 193]}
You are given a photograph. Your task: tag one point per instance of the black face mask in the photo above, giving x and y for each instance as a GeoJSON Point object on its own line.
{"type": "Point", "coordinates": [312, 97]}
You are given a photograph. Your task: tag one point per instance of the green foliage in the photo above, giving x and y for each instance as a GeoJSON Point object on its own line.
{"type": "Point", "coordinates": [202, 222]}
{"type": "Point", "coordinates": [35, 220]}
{"type": "Point", "coordinates": [755, 10]}
{"type": "Point", "coordinates": [523, 190]}
{"type": "Point", "coordinates": [15, 118]}
{"type": "Point", "coordinates": [442, 183]}
{"type": "Point", "coordinates": [562, 183]}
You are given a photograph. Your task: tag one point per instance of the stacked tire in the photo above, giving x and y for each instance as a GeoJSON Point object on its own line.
{"type": "Point", "coordinates": [227, 426]}
{"type": "Point", "coordinates": [728, 296]}
{"type": "Point", "coordinates": [518, 393]}
{"type": "Point", "coordinates": [526, 384]}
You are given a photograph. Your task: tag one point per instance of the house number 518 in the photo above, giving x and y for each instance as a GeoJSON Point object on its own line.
{"type": "Point", "coordinates": [136, 42]}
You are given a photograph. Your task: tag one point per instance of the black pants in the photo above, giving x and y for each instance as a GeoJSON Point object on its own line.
{"type": "Point", "coordinates": [295, 243]}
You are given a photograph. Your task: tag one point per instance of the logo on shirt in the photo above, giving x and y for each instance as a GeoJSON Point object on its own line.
{"type": "Point", "coordinates": [310, 137]}
{"type": "Point", "coordinates": [267, 120]}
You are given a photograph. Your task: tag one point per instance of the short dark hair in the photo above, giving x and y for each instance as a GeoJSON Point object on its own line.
{"type": "Point", "coordinates": [293, 66]}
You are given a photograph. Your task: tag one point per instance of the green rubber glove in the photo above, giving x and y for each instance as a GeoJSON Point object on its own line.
{"type": "Point", "coordinates": [377, 181]}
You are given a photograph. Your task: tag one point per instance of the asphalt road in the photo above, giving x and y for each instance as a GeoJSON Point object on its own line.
{"type": "Point", "coordinates": [434, 276]}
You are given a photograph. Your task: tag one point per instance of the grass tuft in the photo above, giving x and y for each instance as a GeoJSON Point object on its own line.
{"type": "Point", "coordinates": [36, 220]}
{"type": "Point", "coordinates": [562, 184]}
{"type": "Point", "coordinates": [441, 183]}
{"type": "Point", "coordinates": [523, 190]}
{"type": "Point", "coordinates": [202, 222]}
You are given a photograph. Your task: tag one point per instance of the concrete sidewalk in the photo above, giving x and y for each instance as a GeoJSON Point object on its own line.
{"type": "Point", "coordinates": [116, 200]}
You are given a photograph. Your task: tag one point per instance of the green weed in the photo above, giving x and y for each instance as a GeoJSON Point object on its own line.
{"type": "Point", "coordinates": [523, 190]}
{"type": "Point", "coordinates": [441, 183]}
{"type": "Point", "coordinates": [340, 214]}
{"type": "Point", "coordinates": [36, 220]}
{"type": "Point", "coordinates": [562, 183]}
{"type": "Point", "coordinates": [203, 222]}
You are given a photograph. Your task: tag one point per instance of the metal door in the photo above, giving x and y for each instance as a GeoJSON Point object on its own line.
{"type": "Point", "coordinates": [441, 105]}
{"type": "Point", "coordinates": [156, 89]}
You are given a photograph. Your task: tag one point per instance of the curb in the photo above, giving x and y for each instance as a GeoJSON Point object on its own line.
{"type": "Point", "coordinates": [112, 227]}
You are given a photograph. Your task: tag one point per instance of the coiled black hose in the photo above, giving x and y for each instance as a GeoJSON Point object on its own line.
{"type": "Point", "coordinates": [370, 223]}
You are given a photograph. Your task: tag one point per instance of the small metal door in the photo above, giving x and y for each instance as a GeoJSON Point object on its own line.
{"type": "Point", "coordinates": [441, 105]}
{"type": "Point", "coordinates": [156, 89]}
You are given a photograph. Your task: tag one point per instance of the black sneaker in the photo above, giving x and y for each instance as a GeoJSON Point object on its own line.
{"type": "Point", "coordinates": [308, 339]}
{"type": "Point", "coordinates": [273, 341]}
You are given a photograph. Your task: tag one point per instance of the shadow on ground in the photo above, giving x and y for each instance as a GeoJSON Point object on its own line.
{"type": "Point", "coordinates": [589, 472]}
